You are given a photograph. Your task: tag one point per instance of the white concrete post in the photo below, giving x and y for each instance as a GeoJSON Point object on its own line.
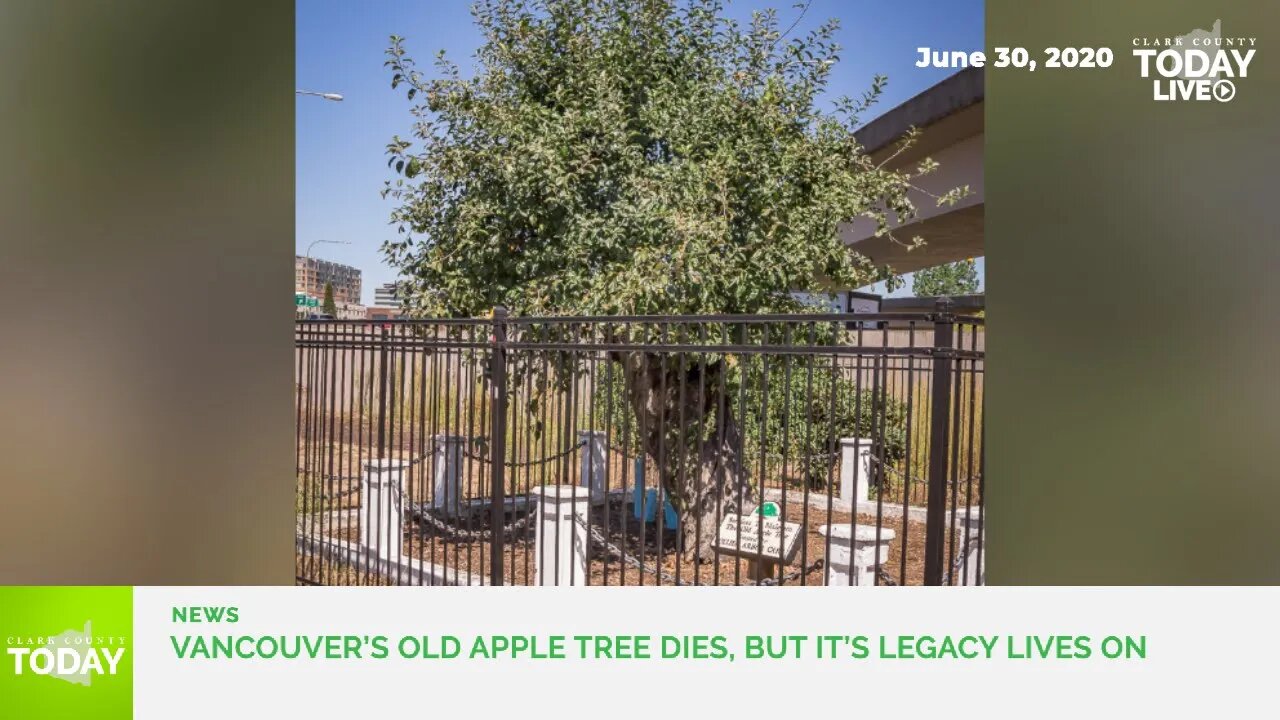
{"type": "Point", "coordinates": [592, 467]}
{"type": "Point", "coordinates": [864, 554]}
{"type": "Point", "coordinates": [446, 474]}
{"type": "Point", "coordinates": [382, 507]}
{"type": "Point", "coordinates": [855, 468]}
{"type": "Point", "coordinates": [968, 573]}
{"type": "Point", "coordinates": [561, 536]}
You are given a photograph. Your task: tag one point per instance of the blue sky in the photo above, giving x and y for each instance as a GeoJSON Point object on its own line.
{"type": "Point", "coordinates": [341, 161]}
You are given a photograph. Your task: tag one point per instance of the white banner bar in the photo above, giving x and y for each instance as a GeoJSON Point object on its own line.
{"type": "Point", "coordinates": [658, 652]}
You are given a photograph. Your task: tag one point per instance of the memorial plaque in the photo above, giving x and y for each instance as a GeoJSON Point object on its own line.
{"type": "Point", "coordinates": [751, 536]}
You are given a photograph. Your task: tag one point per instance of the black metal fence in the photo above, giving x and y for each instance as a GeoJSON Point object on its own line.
{"type": "Point", "coordinates": [796, 449]}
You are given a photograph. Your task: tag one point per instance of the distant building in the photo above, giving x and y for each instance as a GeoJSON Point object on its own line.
{"type": "Point", "coordinates": [386, 296]}
{"type": "Point", "coordinates": [825, 302]}
{"type": "Point", "coordinates": [311, 274]}
{"type": "Point", "coordinates": [382, 313]}
{"type": "Point", "coordinates": [961, 304]}
{"type": "Point", "coordinates": [862, 302]}
{"type": "Point", "coordinates": [839, 302]}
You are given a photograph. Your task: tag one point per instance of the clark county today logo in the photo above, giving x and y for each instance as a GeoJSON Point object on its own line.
{"type": "Point", "coordinates": [66, 652]}
{"type": "Point", "coordinates": [1201, 65]}
{"type": "Point", "coordinates": [74, 656]}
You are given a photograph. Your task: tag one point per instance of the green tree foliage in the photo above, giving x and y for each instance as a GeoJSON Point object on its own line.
{"type": "Point", "coordinates": [957, 278]}
{"type": "Point", "coordinates": [631, 157]}
{"type": "Point", "coordinates": [329, 306]}
{"type": "Point", "coordinates": [797, 418]}
{"type": "Point", "coordinates": [636, 157]}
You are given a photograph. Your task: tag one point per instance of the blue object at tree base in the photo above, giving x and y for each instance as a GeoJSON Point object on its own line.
{"type": "Point", "coordinates": [645, 502]}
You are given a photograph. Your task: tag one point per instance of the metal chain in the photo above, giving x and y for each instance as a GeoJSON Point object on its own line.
{"type": "Point", "coordinates": [886, 466]}
{"type": "Point", "coordinates": [815, 565]}
{"type": "Point", "coordinates": [484, 534]}
{"type": "Point", "coordinates": [629, 559]}
{"type": "Point", "coordinates": [473, 456]}
{"type": "Point", "coordinates": [625, 451]}
{"type": "Point", "coordinates": [341, 494]}
{"type": "Point", "coordinates": [946, 576]}
{"type": "Point", "coordinates": [772, 457]}
{"type": "Point", "coordinates": [528, 463]}
{"type": "Point", "coordinates": [955, 565]}
{"type": "Point", "coordinates": [350, 478]}
{"type": "Point", "coordinates": [884, 576]}
{"type": "Point", "coordinates": [800, 458]}
{"type": "Point", "coordinates": [954, 483]}
{"type": "Point", "coordinates": [332, 478]}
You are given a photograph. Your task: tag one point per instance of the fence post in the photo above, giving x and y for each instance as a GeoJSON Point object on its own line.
{"type": "Point", "coordinates": [498, 443]}
{"type": "Point", "coordinates": [939, 422]}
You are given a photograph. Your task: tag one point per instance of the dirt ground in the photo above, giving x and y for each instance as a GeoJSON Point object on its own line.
{"type": "Point", "coordinates": [467, 553]}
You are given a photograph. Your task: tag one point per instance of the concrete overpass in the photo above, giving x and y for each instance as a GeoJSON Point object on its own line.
{"type": "Point", "coordinates": [950, 117]}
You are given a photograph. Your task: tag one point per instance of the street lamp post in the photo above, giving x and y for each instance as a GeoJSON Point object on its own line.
{"type": "Point", "coordinates": [335, 97]}
{"type": "Point", "coordinates": [322, 242]}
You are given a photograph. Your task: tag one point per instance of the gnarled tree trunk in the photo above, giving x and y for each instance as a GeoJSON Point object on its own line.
{"type": "Point", "coordinates": [685, 424]}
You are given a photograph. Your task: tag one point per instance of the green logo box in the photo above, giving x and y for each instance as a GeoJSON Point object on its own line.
{"type": "Point", "coordinates": [68, 652]}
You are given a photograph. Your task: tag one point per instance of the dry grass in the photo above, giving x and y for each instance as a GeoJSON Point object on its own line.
{"type": "Point", "coordinates": [333, 573]}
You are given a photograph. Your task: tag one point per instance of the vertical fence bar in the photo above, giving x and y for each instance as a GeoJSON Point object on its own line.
{"type": "Point", "coordinates": [935, 520]}
{"type": "Point", "coordinates": [498, 446]}
{"type": "Point", "coordinates": [382, 392]}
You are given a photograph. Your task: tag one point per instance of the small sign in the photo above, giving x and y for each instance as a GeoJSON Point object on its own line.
{"type": "Point", "coordinates": [757, 537]}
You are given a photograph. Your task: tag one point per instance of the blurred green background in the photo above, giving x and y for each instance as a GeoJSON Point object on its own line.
{"type": "Point", "coordinates": [146, 228]}
{"type": "Point", "coordinates": [146, 223]}
{"type": "Point", "coordinates": [1133, 392]}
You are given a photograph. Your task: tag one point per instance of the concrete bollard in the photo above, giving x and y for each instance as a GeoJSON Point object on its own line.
{"type": "Point", "coordinates": [561, 536]}
{"type": "Point", "coordinates": [382, 507]}
{"type": "Point", "coordinates": [972, 570]}
{"type": "Point", "coordinates": [592, 467]}
{"type": "Point", "coordinates": [855, 468]}
{"type": "Point", "coordinates": [864, 554]}
{"type": "Point", "coordinates": [446, 474]}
